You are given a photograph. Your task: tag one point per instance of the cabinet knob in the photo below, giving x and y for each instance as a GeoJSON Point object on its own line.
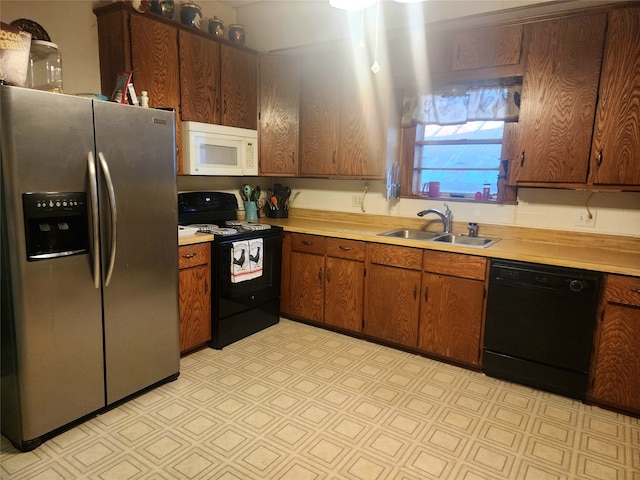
{"type": "Point", "coordinates": [522, 158]}
{"type": "Point", "coordinates": [189, 255]}
{"type": "Point", "coordinates": [599, 161]}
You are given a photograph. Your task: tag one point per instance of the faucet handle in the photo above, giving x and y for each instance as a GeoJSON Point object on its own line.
{"type": "Point", "coordinates": [446, 205]}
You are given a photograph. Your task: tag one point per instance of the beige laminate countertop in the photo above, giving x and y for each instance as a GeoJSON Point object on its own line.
{"type": "Point", "coordinates": [583, 251]}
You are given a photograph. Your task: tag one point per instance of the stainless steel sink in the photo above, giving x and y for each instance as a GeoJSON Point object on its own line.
{"type": "Point", "coordinates": [466, 240]}
{"type": "Point", "coordinates": [411, 234]}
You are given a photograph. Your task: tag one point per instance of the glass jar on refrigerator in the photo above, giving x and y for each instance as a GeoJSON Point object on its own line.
{"type": "Point", "coordinates": [45, 67]}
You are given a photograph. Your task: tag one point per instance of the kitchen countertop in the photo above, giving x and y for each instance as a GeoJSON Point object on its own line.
{"type": "Point", "coordinates": [604, 253]}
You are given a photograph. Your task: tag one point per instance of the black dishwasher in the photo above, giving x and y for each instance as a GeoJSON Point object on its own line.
{"type": "Point", "coordinates": [539, 326]}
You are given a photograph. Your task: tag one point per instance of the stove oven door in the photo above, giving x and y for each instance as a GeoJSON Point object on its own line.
{"type": "Point", "coordinates": [230, 299]}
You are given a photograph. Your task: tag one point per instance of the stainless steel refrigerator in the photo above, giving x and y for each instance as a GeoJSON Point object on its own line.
{"type": "Point", "coordinates": [89, 258]}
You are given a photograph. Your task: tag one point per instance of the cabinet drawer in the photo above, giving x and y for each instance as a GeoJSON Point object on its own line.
{"type": "Point", "coordinates": [192, 255]}
{"type": "Point", "coordinates": [301, 242]}
{"type": "Point", "coordinates": [404, 257]}
{"type": "Point", "coordinates": [341, 248]}
{"type": "Point", "coordinates": [455, 264]}
{"type": "Point", "coordinates": [620, 289]}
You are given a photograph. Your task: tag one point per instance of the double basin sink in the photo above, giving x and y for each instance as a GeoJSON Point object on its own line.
{"type": "Point", "coordinates": [448, 238]}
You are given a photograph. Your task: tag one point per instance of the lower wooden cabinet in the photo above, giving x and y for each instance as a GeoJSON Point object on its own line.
{"type": "Point", "coordinates": [326, 280]}
{"type": "Point", "coordinates": [195, 296]}
{"type": "Point", "coordinates": [306, 286]}
{"type": "Point", "coordinates": [392, 293]}
{"type": "Point", "coordinates": [615, 371]}
{"type": "Point", "coordinates": [344, 283]}
{"type": "Point", "coordinates": [452, 307]}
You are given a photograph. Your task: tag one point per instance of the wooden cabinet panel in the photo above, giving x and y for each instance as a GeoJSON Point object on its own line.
{"type": "Point", "coordinates": [301, 242]}
{"type": "Point", "coordinates": [343, 248]}
{"type": "Point", "coordinates": [306, 288]}
{"type": "Point", "coordinates": [391, 304]}
{"type": "Point", "coordinates": [616, 376]}
{"type": "Point", "coordinates": [192, 255]}
{"type": "Point", "coordinates": [195, 296]}
{"type": "Point", "coordinates": [451, 317]}
{"type": "Point", "coordinates": [154, 55]}
{"type": "Point", "coordinates": [615, 154]}
{"type": "Point", "coordinates": [486, 47]}
{"type": "Point", "coordinates": [239, 87]}
{"type": "Point", "coordinates": [285, 284]}
{"type": "Point", "coordinates": [344, 293]}
{"type": "Point", "coordinates": [558, 99]}
{"type": "Point", "coordinates": [199, 78]}
{"type": "Point", "coordinates": [279, 117]}
{"type": "Point", "coordinates": [404, 257]}
{"type": "Point", "coordinates": [459, 265]}
{"type": "Point", "coordinates": [620, 289]}
{"type": "Point", "coordinates": [319, 114]}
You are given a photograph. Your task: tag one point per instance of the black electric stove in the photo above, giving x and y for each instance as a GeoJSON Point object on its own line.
{"type": "Point", "coordinates": [241, 305]}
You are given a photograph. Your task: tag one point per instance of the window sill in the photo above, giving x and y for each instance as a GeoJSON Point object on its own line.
{"type": "Point", "coordinates": [492, 201]}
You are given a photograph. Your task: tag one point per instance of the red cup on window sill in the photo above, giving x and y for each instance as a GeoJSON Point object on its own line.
{"type": "Point", "coordinates": [434, 189]}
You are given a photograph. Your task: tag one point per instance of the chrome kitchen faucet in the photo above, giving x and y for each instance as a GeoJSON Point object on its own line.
{"type": "Point", "coordinates": [446, 217]}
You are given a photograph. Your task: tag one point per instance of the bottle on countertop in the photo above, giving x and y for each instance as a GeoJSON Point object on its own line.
{"type": "Point", "coordinates": [144, 99]}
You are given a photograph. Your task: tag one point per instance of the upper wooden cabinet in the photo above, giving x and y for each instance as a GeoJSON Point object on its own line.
{"type": "Point", "coordinates": [559, 95]}
{"type": "Point", "coordinates": [466, 55]}
{"type": "Point", "coordinates": [203, 78]}
{"type": "Point", "coordinates": [200, 78]}
{"type": "Point", "coordinates": [615, 153]}
{"type": "Point", "coordinates": [278, 118]}
{"type": "Point", "coordinates": [486, 47]}
{"type": "Point", "coordinates": [342, 118]}
{"type": "Point", "coordinates": [131, 42]}
{"type": "Point", "coordinates": [239, 87]}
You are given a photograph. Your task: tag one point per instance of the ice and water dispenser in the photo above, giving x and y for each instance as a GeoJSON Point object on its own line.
{"type": "Point", "coordinates": [55, 224]}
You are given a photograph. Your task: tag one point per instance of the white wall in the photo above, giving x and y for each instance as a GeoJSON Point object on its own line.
{"type": "Point", "coordinates": [284, 24]}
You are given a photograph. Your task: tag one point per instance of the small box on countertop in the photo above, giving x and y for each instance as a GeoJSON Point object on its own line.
{"type": "Point", "coordinates": [15, 45]}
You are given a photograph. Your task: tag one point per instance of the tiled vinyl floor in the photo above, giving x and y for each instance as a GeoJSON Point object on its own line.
{"type": "Point", "coordinates": [294, 402]}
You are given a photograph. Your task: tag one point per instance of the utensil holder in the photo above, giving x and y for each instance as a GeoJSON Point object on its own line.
{"type": "Point", "coordinates": [251, 211]}
{"type": "Point", "coordinates": [284, 213]}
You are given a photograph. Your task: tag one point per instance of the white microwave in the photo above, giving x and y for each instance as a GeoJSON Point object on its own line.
{"type": "Point", "coordinates": [219, 150]}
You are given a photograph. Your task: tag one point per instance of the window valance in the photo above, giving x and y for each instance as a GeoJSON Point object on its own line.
{"type": "Point", "coordinates": [457, 104]}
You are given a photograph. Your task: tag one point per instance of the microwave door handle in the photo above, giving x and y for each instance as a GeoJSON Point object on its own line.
{"type": "Point", "coordinates": [93, 212]}
{"type": "Point", "coordinates": [114, 217]}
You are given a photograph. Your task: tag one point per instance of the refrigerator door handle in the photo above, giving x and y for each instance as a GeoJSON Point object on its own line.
{"type": "Point", "coordinates": [114, 216]}
{"type": "Point", "coordinates": [93, 212]}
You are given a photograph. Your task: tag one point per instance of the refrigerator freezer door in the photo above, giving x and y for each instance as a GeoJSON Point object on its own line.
{"type": "Point", "coordinates": [52, 357]}
{"type": "Point", "coordinates": [141, 298]}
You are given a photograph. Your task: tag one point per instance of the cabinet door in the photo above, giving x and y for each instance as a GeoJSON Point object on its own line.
{"type": "Point", "coordinates": [486, 47]}
{"type": "Point", "coordinates": [195, 296]}
{"type": "Point", "coordinates": [319, 114]}
{"type": "Point", "coordinates": [451, 317]}
{"type": "Point", "coordinates": [199, 78]}
{"type": "Point", "coordinates": [361, 134]}
{"type": "Point", "coordinates": [155, 67]}
{"type": "Point", "coordinates": [616, 376]}
{"type": "Point", "coordinates": [615, 155]}
{"type": "Point", "coordinates": [306, 287]}
{"type": "Point", "coordinates": [279, 120]}
{"type": "Point", "coordinates": [343, 295]}
{"type": "Point", "coordinates": [239, 84]}
{"type": "Point", "coordinates": [559, 92]}
{"type": "Point", "coordinates": [391, 304]}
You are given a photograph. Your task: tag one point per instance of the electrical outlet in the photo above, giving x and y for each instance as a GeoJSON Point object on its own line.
{"type": "Point", "coordinates": [585, 219]}
{"type": "Point", "coordinates": [356, 201]}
